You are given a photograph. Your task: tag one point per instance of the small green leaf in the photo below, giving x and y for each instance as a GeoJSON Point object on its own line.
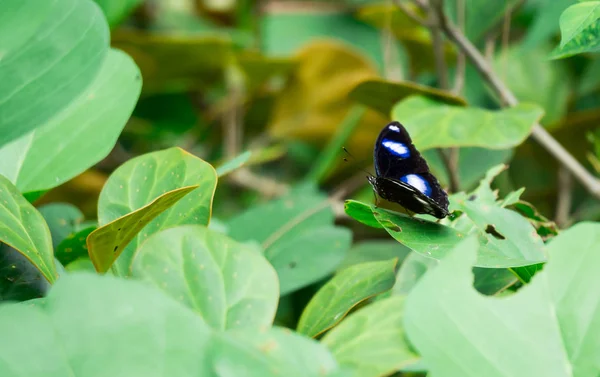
{"type": "Point", "coordinates": [580, 30]}
{"type": "Point", "coordinates": [233, 164]}
{"type": "Point", "coordinates": [557, 309]}
{"type": "Point", "coordinates": [382, 95]}
{"type": "Point", "coordinates": [45, 158]}
{"type": "Point", "coordinates": [53, 54]}
{"type": "Point", "coordinates": [361, 212]}
{"type": "Point", "coordinates": [371, 341]}
{"type": "Point", "coordinates": [146, 179]}
{"type": "Point", "coordinates": [433, 125]}
{"type": "Point", "coordinates": [73, 246]}
{"type": "Point", "coordinates": [228, 284]}
{"type": "Point", "coordinates": [24, 228]}
{"type": "Point", "coordinates": [106, 243]}
{"type": "Point", "coordinates": [344, 291]}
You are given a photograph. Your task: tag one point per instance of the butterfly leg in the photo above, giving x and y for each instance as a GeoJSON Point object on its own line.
{"type": "Point", "coordinates": [376, 199]}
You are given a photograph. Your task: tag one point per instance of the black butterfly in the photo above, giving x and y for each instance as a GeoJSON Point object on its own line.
{"type": "Point", "coordinates": [402, 175]}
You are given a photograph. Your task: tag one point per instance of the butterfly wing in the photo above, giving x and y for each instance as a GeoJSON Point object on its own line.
{"type": "Point", "coordinates": [396, 158]}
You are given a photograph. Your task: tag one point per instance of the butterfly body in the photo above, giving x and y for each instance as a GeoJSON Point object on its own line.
{"type": "Point", "coordinates": [403, 176]}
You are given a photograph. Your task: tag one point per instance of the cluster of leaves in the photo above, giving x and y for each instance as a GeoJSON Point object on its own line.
{"type": "Point", "coordinates": [167, 267]}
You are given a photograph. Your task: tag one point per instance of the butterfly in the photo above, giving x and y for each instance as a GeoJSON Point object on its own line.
{"type": "Point", "coordinates": [402, 175]}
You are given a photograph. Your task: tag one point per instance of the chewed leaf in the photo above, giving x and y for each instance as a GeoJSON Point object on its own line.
{"type": "Point", "coordinates": [106, 243]}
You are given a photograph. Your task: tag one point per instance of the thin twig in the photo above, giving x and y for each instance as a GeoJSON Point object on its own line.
{"type": "Point", "coordinates": [438, 48]}
{"type": "Point", "coordinates": [450, 162]}
{"type": "Point", "coordinates": [539, 133]}
{"type": "Point", "coordinates": [564, 200]}
{"type": "Point", "coordinates": [461, 63]}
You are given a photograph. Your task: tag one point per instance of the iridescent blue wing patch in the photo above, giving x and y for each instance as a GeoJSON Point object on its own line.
{"type": "Point", "coordinates": [403, 176]}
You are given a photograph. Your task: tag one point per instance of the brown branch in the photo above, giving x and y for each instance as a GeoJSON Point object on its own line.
{"type": "Point", "coordinates": [461, 62]}
{"type": "Point", "coordinates": [539, 133]}
{"type": "Point", "coordinates": [564, 200]}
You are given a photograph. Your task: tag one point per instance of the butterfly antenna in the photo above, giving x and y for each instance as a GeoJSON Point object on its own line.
{"type": "Point", "coordinates": [354, 158]}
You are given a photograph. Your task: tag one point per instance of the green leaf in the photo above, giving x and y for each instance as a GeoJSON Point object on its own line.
{"type": "Point", "coordinates": [382, 95]}
{"type": "Point", "coordinates": [433, 125]}
{"type": "Point", "coordinates": [117, 10]}
{"type": "Point", "coordinates": [81, 264]}
{"type": "Point", "coordinates": [375, 250]}
{"type": "Point", "coordinates": [558, 309]}
{"type": "Point", "coordinates": [81, 334]}
{"type": "Point", "coordinates": [62, 220]}
{"type": "Point", "coordinates": [106, 243]}
{"type": "Point", "coordinates": [371, 341]}
{"type": "Point", "coordinates": [53, 54]}
{"type": "Point", "coordinates": [345, 290]}
{"type": "Point", "coordinates": [362, 213]}
{"type": "Point", "coordinates": [247, 353]}
{"type": "Point", "coordinates": [24, 228]}
{"type": "Point", "coordinates": [544, 24]}
{"type": "Point", "coordinates": [228, 284]}
{"type": "Point", "coordinates": [74, 246]}
{"type": "Point", "coordinates": [435, 240]}
{"type": "Point", "coordinates": [298, 236]}
{"type": "Point", "coordinates": [580, 28]}
{"type": "Point", "coordinates": [143, 180]}
{"type": "Point", "coordinates": [45, 158]}
{"type": "Point", "coordinates": [233, 164]}
{"type": "Point", "coordinates": [20, 280]}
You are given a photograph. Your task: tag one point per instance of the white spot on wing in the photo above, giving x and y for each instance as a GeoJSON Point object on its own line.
{"type": "Point", "coordinates": [396, 148]}
{"type": "Point", "coordinates": [417, 182]}
{"type": "Point", "coordinates": [394, 128]}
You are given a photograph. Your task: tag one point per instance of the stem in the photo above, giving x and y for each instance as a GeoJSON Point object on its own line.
{"type": "Point", "coordinates": [539, 133]}
{"type": "Point", "coordinates": [564, 201]}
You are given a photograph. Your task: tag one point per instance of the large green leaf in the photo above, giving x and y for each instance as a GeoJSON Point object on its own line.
{"type": "Point", "coordinates": [371, 341]}
{"type": "Point", "coordinates": [580, 30]}
{"type": "Point", "coordinates": [298, 236]}
{"type": "Point", "coordinates": [374, 250]}
{"type": "Point", "coordinates": [45, 158]}
{"type": "Point", "coordinates": [432, 124]}
{"type": "Point", "coordinates": [117, 10]}
{"type": "Point", "coordinates": [501, 337]}
{"type": "Point", "coordinates": [347, 289]}
{"type": "Point", "coordinates": [145, 179]}
{"type": "Point", "coordinates": [435, 240]}
{"type": "Point", "coordinates": [24, 228]}
{"type": "Point", "coordinates": [92, 326]}
{"type": "Point", "coordinates": [228, 284]}
{"type": "Point", "coordinates": [53, 54]}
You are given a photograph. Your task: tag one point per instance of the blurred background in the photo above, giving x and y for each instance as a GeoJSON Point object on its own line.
{"type": "Point", "coordinates": [295, 81]}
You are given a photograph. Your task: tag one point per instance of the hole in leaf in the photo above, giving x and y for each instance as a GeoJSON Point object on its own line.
{"type": "Point", "coordinates": [115, 249]}
{"type": "Point", "coordinates": [490, 229]}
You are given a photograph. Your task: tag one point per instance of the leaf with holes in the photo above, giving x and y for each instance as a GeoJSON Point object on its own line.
{"type": "Point", "coordinates": [362, 213]}
{"type": "Point", "coordinates": [55, 50]}
{"type": "Point", "coordinates": [24, 228]}
{"type": "Point", "coordinates": [433, 124]}
{"type": "Point", "coordinates": [371, 341]}
{"type": "Point", "coordinates": [106, 243]}
{"type": "Point", "coordinates": [580, 30]}
{"type": "Point", "coordinates": [142, 188]}
{"type": "Point", "coordinates": [347, 289]}
{"type": "Point", "coordinates": [228, 284]}
{"type": "Point", "coordinates": [557, 309]}
{"type": "Point", "coordinates": [44, 158]}
{"type": "Point", "coordinates": [298, 236]}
